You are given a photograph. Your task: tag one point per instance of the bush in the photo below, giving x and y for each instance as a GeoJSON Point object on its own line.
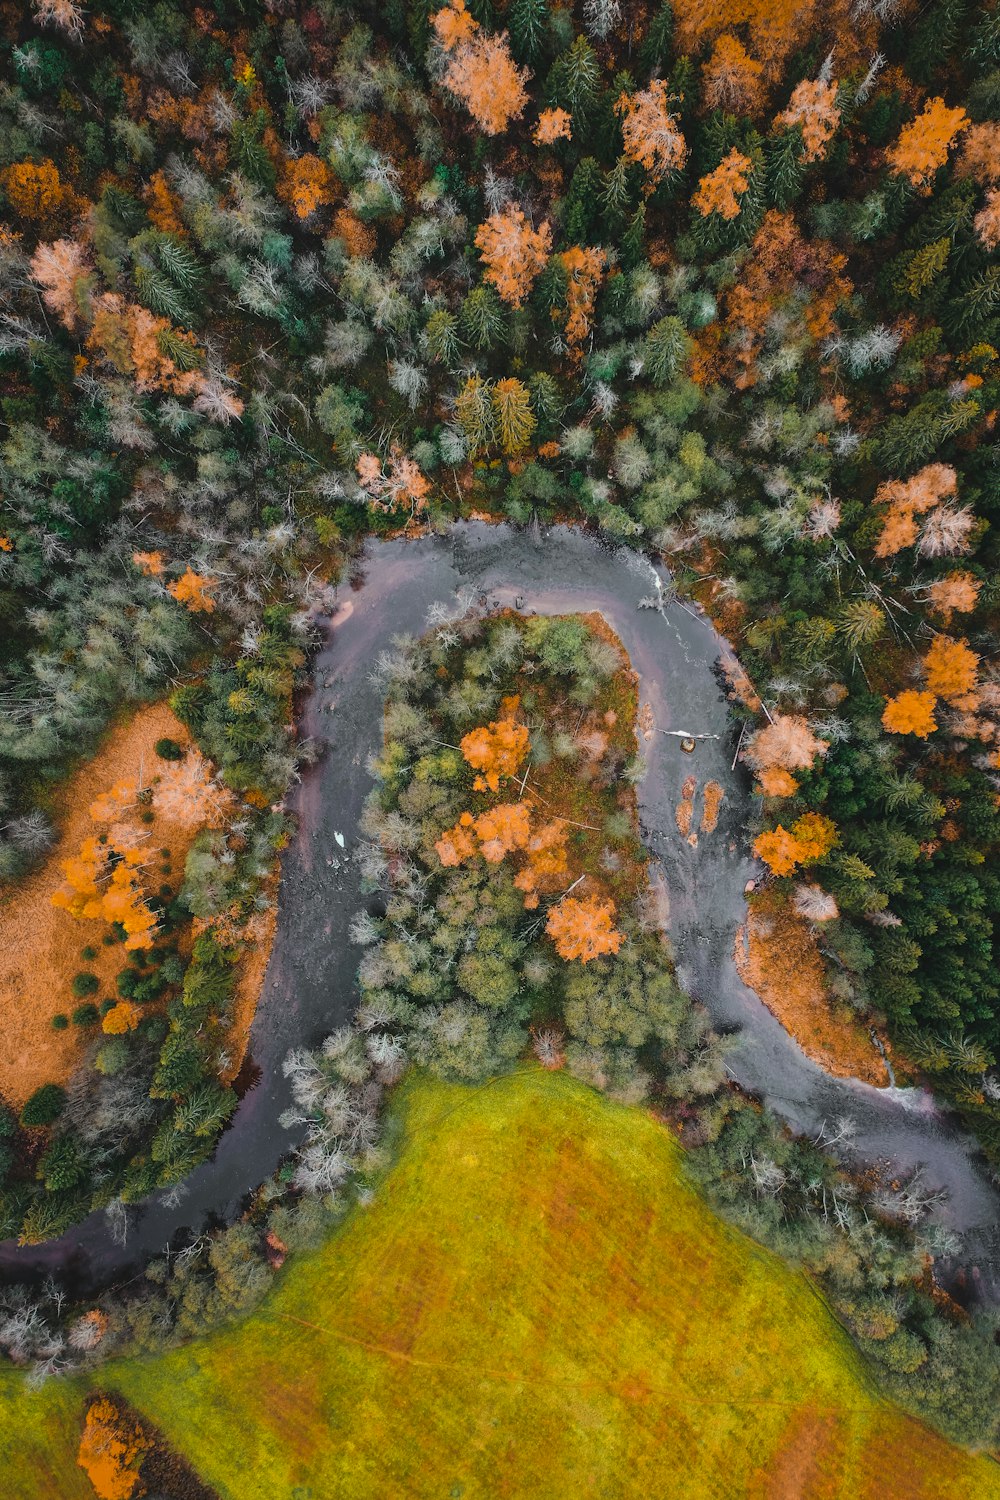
{"type": "Point", "coordinates": [86, 1015]}
{"type": "Point", "coordinates": [169, 750]}
{"type": "Point", "coordinates": [60, 1022]}
{"type": "Point", "coordinates": [45, 1105]}
{"type": "Point", "coordinates": [85, 984]}
{"type": "Point", "coordinates": [88, 954]}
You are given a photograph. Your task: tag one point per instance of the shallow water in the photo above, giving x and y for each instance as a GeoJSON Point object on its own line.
{"type": "Point", "coordinates": [309, 987]}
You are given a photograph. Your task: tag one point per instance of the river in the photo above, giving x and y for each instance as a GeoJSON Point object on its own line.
{"type": "Point", "coordinates": [309, 987]}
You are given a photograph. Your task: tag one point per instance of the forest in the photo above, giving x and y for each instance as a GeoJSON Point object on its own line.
{"type": "Point", "coordinates": [714, 280]}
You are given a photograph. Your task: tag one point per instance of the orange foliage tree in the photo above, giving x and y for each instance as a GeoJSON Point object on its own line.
{"type": "Point", "coordinates": [585, 267]}
{"type": "Point", "coordinates": [719, 192]}
{"type": "Point", "coordinates": [583, 929]}
{"type": "Point", "coordinates": [104, 883]}
{"type": "Point", "coordinates": [502, 829]}
{"type": "Point", "coordinates": [808, 839]}
{"type": "Point", "coordinates": [731, 79]}
{"type": "Point", "coordinates": [194, 591]}
{"type": "Point", "coordinates": [774, 27]}
{"type": "Point", "coordinates": [979, 157]}
{"type": "Point", "coordinates": [63, 272]}
{"type": "Point", "coordinates": [956, 593]}
{"type": "Point", "coordinates": [121, 1018]}
{"type": "Point", "coordinates": [553, 125]}
{"type": "Point", "coordinates": [480, 71]}
{"type": "Point", "coordinates": [910, 712]}
{"type": "Point", "coordinates": [401, 482]}
{"type": "Point", "coordinates": [951, 668]}
{"type": "Point", "coordinates": [813, 105]}
{"type": "Point", "coordinates": [651, 133]}
{"type": "Point", "coordinates": [34, 189]}
{"type": "Point", "coordinates": [906, 499]}
{"type": "Point", "coordinates": [111, 1450]}
{"type": "Point", "coordinates": [306, 185]}
{"type": "Point", "coordinates": [513, 252]}
{"type": "Point", "coordinates": [987, 220]}
{"type": "Point", "coordinates": [923, 145]}
{"type": "Point", "coordinates": [786, 743]}
{"type": "Point", "coordinates": [496, 750]}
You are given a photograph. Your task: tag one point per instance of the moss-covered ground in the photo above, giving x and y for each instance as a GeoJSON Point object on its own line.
{"type": "Point", "coordinates": [536, 1304]}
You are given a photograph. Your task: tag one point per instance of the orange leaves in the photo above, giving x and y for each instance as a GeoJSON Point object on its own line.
{"type": "Point", "coordinates": [103, 883]}
{"type": "Point", "coordinates": [122, 1018]}
{"type": "Point", "coordinates": [951, 668]}
{"type": "Point", "coordinates": [787, 744]}
{"type": "Point", "coordinates": [111, 1449]}
{"type": "Point", "coordinates": [719, 192]}
{"type": "Point", "coordinates": [553, 125]}
{"type": "Point", "coordinates": [513, 252]}
{"type": "Point", "coordinates": [496, 751]}
{"type": "Point", "coordinates": [731, 79]}
{"type": "Point", "coordinates": [956, 593]}
{"type": "Point", "coordinates": [910, 712]}
{"type": "Point", "coordinates": [34, 189]}
{"type": "Point", "coordinates": [773, 781]}
{"type": "Point", "coordinates": [150, 563]}
{"type": "Point", "coordinates": [651, 133]}
{"type": "Point", "coordinates": [127, 337]}
{"type": "Point", "coordinates": [480, 71]}
{"type": "Point", "coordinates": [987, 220]}
{"type": "Point", "coordinates": [547, 863]}
{"type": "Point", "coordinates": [194, 590]}
{"type": "Point", "coordinates": [502, 829]}
{"type": "Point", "coordinates": [400, 483]}
{"type": "Point", "coordinates": [907, 499]}
{"type": "Point", "coordinates": [63, 272]}
{"type": "Point", "coordinates": [583, 929]}
{"type": "Point", "coordinates": [306, 185]}
{"type": "Point", "coordinates": [923, 145]}
{"type": "Point", "coordinates": [584, 267]}
{"type": "Point", "coordinates": [813, 105]}
{"type": "Point", "coordinates": [457, 844]}
{"type": "Point", "coordinates": [980, 154]}
{"type": "Point", "coordinates": [808, 839]}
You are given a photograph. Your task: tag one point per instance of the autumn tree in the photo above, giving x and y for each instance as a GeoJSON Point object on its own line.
{"type": "Point", "coordinates": [910, 712]}
{"type": "Point", "coordinates": [194, 591]}
{"type": "Point", "coordinates": [401, 482]}
{"type": "Point", "coordinates": [64, 273]}
{"type": "Point", "coordinates": [923, 144]}
{"type": "Point", "coordinates": [306, 185]}
{"type": "Point", "coordinates": [732, 79]}
{"type": "Point", "coordinates": [951, 668]}
{"type": "Point", "coordinates": [584, 268]}
{"type": "Point", "coordinates": [495, 751]}
{"type": "Point", "coordinates": [553, 125]}
{"type": "Point", "coordinates": [809, 839]}
{"type": "Point", "coordinates": [813, 106]}
{"type": "Point", "coordinates": [955, 593]}
{"type": "Point", "coordinates": [651, 132]}
{"type": "Point", "coordinates": [112, 1449]}
{"type": "Point", "coordinates": [786, 743]}
{"type": "Point", "coordinates": [905, 499]}
{"type": "Point", "coordinates": [583, 928]}
{"type": "Point", "coordinates": [34, 190]}
{"type": "Point", "coordinates": [480, 70]}
{"type": "Point", "coordinates": [515, 421]}
{"type": "Point", "coordinates": [720, 191]}
{"type": "Point", "coordinates": [513, 252]}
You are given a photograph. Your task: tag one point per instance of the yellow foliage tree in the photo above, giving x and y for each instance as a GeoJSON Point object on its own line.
{"type": "Point", "coordinates": [809, 838]}
{"type": "Point", "coordinates": [34, 189]}
{"type": "Point", "coordinates": [910, 712]}
{"type": "Point", "coordinates": [515, 420]}
{"type": "Point", "coordinates": [583, 929]}
{"type": "Point", "coordinates": [121, 1018]}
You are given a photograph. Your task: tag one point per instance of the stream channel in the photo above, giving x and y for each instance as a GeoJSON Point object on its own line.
{"type": "Point", "coordinates": [309, 986]}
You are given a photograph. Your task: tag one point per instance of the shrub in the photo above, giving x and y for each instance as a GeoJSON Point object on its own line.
{"type": "Point", "coordinates": [168, 749]}
{"type": "Point", "coordinates": [60, 1021]}
{"type": "Point", "coordinates": [88, 954]}
{"type": "Point", "coordinates": [86, 1015]}
{"type": "Point", "coordinates": [85, 984]}
{"type": "Point", "coordinates": [45, 1105]}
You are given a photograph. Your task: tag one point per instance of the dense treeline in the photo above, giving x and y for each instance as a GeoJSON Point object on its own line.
{"type": "Point", "coordinates": [720, 281]}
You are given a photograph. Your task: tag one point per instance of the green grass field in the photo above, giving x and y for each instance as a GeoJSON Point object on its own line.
{"type": "Point", "coordinates": [536, 1304]}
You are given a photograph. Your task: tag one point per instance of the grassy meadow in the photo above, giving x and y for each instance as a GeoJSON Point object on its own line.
{"type": "Point", "coordinates": [536, 1304]}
